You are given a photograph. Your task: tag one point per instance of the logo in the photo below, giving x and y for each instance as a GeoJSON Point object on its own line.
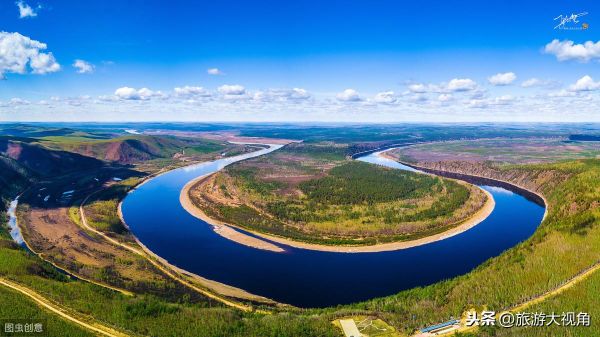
{"type": "Point", "coordinates": [571, 22]}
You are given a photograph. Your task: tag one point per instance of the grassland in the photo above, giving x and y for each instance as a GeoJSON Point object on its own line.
{"type": "Point", "coordinates": [312, 193]}
{"type": "Point", "coordinates": [141, 314]}
{"type": "Point", "coordinates": [567, 242]}
{"type": "Point", "coordinates": [371, 326]}
{"type": "Point", "coordinates": [133, 149]}
{"type": "Point", "coordinates": [14, 307]}
{"type": "Point", "coordinates": [581, 298]}
{"type": "Point", "coordinates": [502, 150]}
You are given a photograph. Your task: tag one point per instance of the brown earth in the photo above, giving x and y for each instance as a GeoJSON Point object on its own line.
{"type": "Point", "coordinates": [52, 229]}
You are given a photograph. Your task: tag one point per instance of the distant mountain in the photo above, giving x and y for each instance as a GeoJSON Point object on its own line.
{"type": "Point", "coordinates": [41, 132]}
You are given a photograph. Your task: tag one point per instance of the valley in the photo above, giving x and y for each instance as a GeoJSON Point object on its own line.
{"type": "Point", "coordinates": [98, 264]}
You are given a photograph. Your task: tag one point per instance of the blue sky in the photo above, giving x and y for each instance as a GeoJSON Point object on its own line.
{"type": "Point", "coordinates": [305, 60]}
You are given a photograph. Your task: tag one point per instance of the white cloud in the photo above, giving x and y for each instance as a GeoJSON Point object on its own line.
{"type": "Point", "coordinates": [83, 67]}
{"type": "Point", "coordinates": [562, 93]}
{"type": "Point", "coordinates": [385, 97]}
{"type": "Point", "coordinates": [444, 97]}
{"type": "Point", "coordinates": [503, 100]}
{"type": "Point", "coordinates": [20, 54]}
{"type": "Point", "coordinates": [454, 85]}
{"type": "Point", "coordinates": [18, 101]}
{"type": "Point", "coordinates": [232, 90]}
{"type": "Point", "coordinates": [214, 71]}
{"type": "Point", "coordinates": [461, 84]}
{"type": "Point", "coordinates": [71, 101]}
{"type": "Point", "coordinates": [586, 83]}
{"type": "Point", "coordinates": [568, 50]}
{"type": "Point", "coordinates": [190, 92]}
{"type": "Point", "coordinates": [299, 93]}
{"type": "Point", "coordinates": [127, 93]}
{"type": "Point", "coordinates": [478, 103]}
{"type": "Point", "coordinates": [348, 95]}
{"type": "Point", "coordinates": [502, 78]}
{"type": "Point", "coordinates": [44, 63]}
{"type": "Point", "coordinates": [146, 93]}
{"type": "Point", "coordinates": [532, 82]}
{"type": "Point", "coordinates": [25, 11]}
{"type": "Point", "coordinates": [484, 103]}
{"type": "Point", "coordinates": [281, 95]}
{"type": "Point", "coordinates": [291, 94]}
{"type": "Point", "coordinates": [261, 96]}
{"type": "Point", "coordinates": [418, 98]}
{"type": "Point", "coordinates": [286, 105]}
{"type": "Point", "coordinates": [421, 88]}
{"type": "Point", "coordinates": [536, 82]}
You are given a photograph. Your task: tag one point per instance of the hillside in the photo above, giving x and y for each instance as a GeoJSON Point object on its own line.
{"type": "Point", "coordinates": [138, 148]}
{"type": "Point", "coordinates": [12, 180]}
{"type": "Point", "coordinates": [41, 161]}
{"type": "Point", "coordinates": [22, 161]}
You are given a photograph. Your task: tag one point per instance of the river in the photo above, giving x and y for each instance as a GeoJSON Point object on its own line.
{"type": "Point", "coordinates": [307, 278]}
{"type": "Point", "coordinates": [15, 232]}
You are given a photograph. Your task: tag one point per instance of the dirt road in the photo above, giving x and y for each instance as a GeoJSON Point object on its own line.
{"type": "Point", "coordinates": [43, 302]}
{"type": "Point", "coordinates": [161, 266]}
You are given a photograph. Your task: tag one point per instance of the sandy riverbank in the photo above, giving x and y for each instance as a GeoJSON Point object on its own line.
{"type": "Point", "coordinates": [228, 231]}
{"type": "Point", "coordinates": [214, 286]}
{"type": "Point", "coordinates": [221, 228]}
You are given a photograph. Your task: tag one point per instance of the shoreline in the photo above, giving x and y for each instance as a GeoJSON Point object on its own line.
{"type": "Point", "coordinates": [218, 288]}
{"type": "Point", "coordinates": [225, 230]}
{"type": "Point", "coordinates": [212, 289]}
{"type": "Point", "coordinates": [425, 169]}
{"type": "Point", "coordinates": [229, 231]}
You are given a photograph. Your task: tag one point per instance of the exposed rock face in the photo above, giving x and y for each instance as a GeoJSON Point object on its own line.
{"type": "Point", "coordinates": [535, 180]}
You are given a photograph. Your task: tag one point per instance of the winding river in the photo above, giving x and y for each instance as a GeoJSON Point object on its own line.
{"type": "Point", "coordinates": [308, 278]}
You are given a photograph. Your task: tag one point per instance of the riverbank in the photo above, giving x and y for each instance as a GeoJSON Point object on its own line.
{"type": "Point", "coordinates": [177, 273]}
{"type": "Point", "coordinates": [220, 227]}
{"type": "Point", "coordinates": [520, 188]}
{"type": "Point", "coordinates": [282, 276]}
{"type": "Point", "coordinates": [229, 230]}
{"type": "Point", "coordinates": [221, 292]}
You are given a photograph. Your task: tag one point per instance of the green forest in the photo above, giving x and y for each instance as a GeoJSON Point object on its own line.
{"type": "Point", "coordinates": [299, 193]}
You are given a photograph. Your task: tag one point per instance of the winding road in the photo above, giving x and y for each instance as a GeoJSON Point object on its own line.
{"type": "Point", "coordinates": [165, 269]}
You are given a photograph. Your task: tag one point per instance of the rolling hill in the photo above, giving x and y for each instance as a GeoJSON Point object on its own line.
{"type": "Point", "coordinates": [138, 148]}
